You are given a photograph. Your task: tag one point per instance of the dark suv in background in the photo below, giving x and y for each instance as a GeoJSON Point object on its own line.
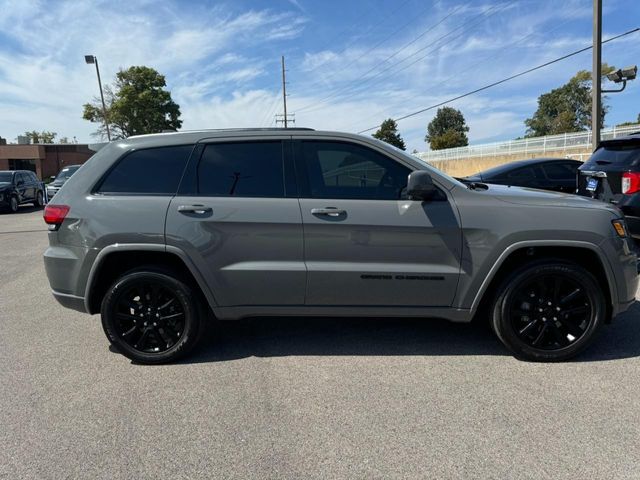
{"type": "Point", "coordinates": [612, 174]}
{"type": "Point", "coordinates": [18, 187]}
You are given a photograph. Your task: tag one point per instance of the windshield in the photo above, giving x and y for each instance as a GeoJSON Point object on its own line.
{"type": "Point", "coordinates": [67, 172]}
{"type": "Point", "coordinates": [6, 176]}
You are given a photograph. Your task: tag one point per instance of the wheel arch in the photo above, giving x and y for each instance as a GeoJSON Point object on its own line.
{"type": "Point", "coordinates": [114, 260]}
{"type": "Point", "coordinates": [587, 255]}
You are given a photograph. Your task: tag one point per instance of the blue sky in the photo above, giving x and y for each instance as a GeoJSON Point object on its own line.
{"type": "Point", "coordinates": [351, 64]}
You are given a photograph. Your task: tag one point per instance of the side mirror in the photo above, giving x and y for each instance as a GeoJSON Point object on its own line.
{"type": "Point", "coordinates": [420, 186]}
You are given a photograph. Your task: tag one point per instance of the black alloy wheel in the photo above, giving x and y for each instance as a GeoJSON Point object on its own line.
{"type": "Point", "coordinates": [13, 204]}
{"type": "Point", "coordinates": [152, 317]}
{"type": "Point", "coordinates": [548, 311]}
{"type": "Point", "coordinates": [39, 200]}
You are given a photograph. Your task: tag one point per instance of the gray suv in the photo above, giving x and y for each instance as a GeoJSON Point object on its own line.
{"type": "Point", "coordinates": [160, 233]}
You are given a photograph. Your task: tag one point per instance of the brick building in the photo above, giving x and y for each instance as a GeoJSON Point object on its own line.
{"type": "Point", "coordinates": [45, 160]}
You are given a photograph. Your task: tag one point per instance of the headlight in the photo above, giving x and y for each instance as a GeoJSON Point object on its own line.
{"type": "Point", "coordinates": [620, 227]}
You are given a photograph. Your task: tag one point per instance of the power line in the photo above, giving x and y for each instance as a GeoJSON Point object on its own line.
{"type": "Point", "coordinates": [486, 87]}
{"type": "Point", "coordinates": [504, 49]}
{"type": "Point", "coordinates": [487, 13]}
{"type": "Point", "coordinates": [348, 44]}
{"type": "Point", "coordinates": [399, 29]}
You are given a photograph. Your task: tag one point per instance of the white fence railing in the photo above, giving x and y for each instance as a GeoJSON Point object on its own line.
{"type": "Point", "coordinates": [565, 143]}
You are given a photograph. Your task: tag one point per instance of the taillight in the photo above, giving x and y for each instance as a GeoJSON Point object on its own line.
{"type": "Point", "coordinates": [630, 182]}
{"type": "Point", "coordinates": [55, 214]}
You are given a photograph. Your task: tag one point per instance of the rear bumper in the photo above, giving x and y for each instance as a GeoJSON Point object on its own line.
{"type": "Point", "coordinates": [70, 301]}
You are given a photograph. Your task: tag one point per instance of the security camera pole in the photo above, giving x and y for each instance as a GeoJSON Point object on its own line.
{"type": "Point", "coordinates": [596, 74]}
{"type": "Point", "coordinates": [89, 59]}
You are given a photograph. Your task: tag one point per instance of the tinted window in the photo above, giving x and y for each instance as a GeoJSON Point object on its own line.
{"type": "Point", "coordinates": [343, 170]}
{"type": "Point", "coordinates": [150, 171]}
{"type": "Point", "coordinates": [33, 177]}
{"type": "Point", "coordinates": [622, 154]}
{"type": "Point", "coordinates": [522, 174]}
{"type": "Point", "coordinates": [248, 169]}
{"type": "Point", "coordinates": [21, 177]}
{"type": "Point", "coordinates": [560, 171]}
{"type": "Point", "coordinates": [6, 176]}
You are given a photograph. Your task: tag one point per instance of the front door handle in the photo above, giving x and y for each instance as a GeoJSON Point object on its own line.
{"type": "Point", "coordinates": [197, 209]}
{"type": "Point", "coordinates": [330, 211]}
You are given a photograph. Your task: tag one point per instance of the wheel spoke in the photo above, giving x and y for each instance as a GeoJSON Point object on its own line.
{"type": "Point", "coordinates": [165, 337]}
{"type": "Point", "coordinates": [538, 339]}
{"type": "Point", "coordinates": [529, 325]}
{"type": "Point", "coordinates": [142, 341]}
{"type": "Point", "coordinates": [173, 315]}
{"type": "Point", "coordinates": [571, 327]}
{"type": "Point", "coordinates": [130, 331]}
{"type": "Point", "coordinates": [575, 310]}
{"type": "Point", "coordinates": [560, 338]}
{"type": "Point", "coordinates": [126, 316]}
{"type": "Point", "coordinates": [570, 297]}
{"type": "Point", "coordinates": [167, 303]}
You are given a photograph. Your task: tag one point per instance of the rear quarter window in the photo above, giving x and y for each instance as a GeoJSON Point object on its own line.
{"type": "Point", "coordinates": [152, 171]}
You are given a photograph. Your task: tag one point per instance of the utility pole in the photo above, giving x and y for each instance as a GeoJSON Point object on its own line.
{"type": "Point", "coordinates": [285, 118]}
{"type": "Point", "coordinates": [596, 74]}
{"type": "Point", "coordinates": [284, 91]}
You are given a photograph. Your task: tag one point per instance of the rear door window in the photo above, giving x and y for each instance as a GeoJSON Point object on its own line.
{"type": "Point", "coordinates": [152, 171]}
{"type": "Point", "coordinates": [241, 169]}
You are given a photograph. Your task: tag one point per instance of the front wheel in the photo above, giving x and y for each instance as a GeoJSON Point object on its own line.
{"type": "Point", "coordinates": [152, 317]}
{"type": "Point", "coordinates": [548, 311]}
{"type": "Point", "coordinates": [13, 204]}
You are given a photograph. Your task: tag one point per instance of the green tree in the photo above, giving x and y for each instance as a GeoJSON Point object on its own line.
{"type": "Point", "coordinates": [448, 129]}
{"type": "Point", "coordinates": [138, 103]}
{"type": "Point", "coordinates": [41, 137]}
{"type": "Point", "coordinates": [624, 124]}
{"type": "Point", "coordinates": [388, 132]}
{"type": "Point", "coordinates": [567, 108]}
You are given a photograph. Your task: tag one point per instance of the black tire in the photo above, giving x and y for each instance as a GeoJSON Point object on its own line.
{"type": "Point", "coordinates": [13, 204]}
{"type": "Point", "coordinates": [548, 311]}
{"type": "Point", "coordinates": [131, 315]}
{"type": "Point", "coordinates": [39, 201]}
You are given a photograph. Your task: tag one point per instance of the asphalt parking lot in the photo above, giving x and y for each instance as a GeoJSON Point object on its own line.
{"type": "Point", "coordinates": [301, 398]}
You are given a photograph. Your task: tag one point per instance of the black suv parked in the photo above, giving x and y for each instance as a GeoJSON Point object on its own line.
{"type": "Point", "coordinates": [18, 187]}
{"type": "Point", "coordinates": [612, 174]}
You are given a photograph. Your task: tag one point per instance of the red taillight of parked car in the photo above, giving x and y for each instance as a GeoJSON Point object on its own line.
{"type": "Point", "coordinates": [630, 182]}
{"type": "Point", "coordinates": [55, 214]}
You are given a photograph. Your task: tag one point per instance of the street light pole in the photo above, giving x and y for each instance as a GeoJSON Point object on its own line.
{"type": "Point", "coordinates": [93, 59]}
{"type": "Point", "coordinates": [596, 74]}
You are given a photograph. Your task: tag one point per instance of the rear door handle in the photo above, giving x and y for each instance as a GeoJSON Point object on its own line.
{"type": "Point", "coordinates": [197, 209]}
{"type": "Point", "coordinates": [330, 211]}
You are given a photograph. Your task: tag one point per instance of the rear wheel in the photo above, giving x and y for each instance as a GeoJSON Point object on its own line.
{"type": "Point", "coordinates": [548, 311]}
{"type": "Point", "coordinates": [39, 201]}
{"type": "Point", "coordinates": [152, 317]}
